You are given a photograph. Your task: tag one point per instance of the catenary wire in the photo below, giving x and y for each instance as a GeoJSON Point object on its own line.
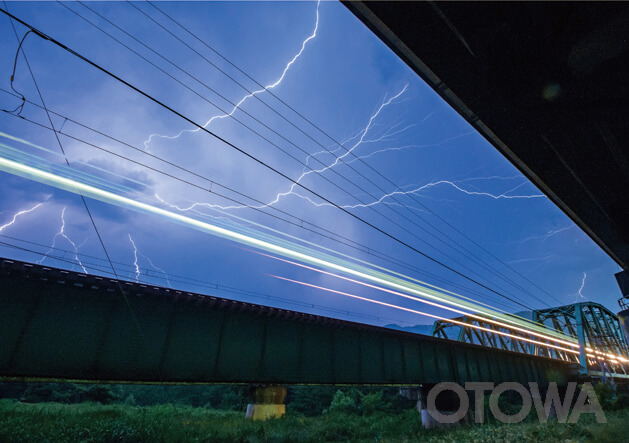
{"type": "Point", "coordinates": [181, 279]}
{"type": "Point", "coordinates": [343, 240]}
{"type": "Point", "coordinates": [473, 258]}
{"type": "Point", "coordinates": [467, 253]}
{"type": "Point", "coordinates": [251, 156]}
{"type": "Point", "coordinates": [319, 129]}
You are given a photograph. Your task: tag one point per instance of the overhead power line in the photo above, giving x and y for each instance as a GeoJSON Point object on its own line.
{"type": "Point", "coordinates": [466, 252]}
{"type": "Point", "coordinates": [336, 142]}
{"type": "Point", "coordinates": [181, 279]}
{"type": "Point", "coordinates": [339, 238]}
{"type": "Point", "coordinates": [253, 157]}
{"type": "Point", "coordinates": [344, 190]}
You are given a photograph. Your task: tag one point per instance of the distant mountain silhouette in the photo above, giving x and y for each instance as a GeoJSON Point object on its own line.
{"type": "Point", "coordinates": [417, 329]}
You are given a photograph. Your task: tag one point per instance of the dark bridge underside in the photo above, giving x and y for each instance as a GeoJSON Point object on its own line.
{"type": "Point", "coordinates": [63, 325]}
{"type": "Point", "coordinates": [545, 82]}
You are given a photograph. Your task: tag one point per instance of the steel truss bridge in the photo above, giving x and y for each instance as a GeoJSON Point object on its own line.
{"type": "Point", "coordinates": [62, 325]}
{"type": "Point", "coordinates": [597, 330]}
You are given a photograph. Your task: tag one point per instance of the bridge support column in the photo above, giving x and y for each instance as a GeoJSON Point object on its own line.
{"type": "Point", "coordinates": [451, 409]}
{"type": "Point", "coordinates": [268, 402]}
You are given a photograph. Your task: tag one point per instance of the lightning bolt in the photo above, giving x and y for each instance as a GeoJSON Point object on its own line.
{"type": "Point", "coordinates": [248, 96]}
{"type": "Point", "coordinates": [135, 259]}
{"type": "Point", "coordinates": [137, 253]}
{"type": "Point", "coordinates": [547, 235]}
{"type": "Point", "coordinates": [548, 257]}
{"type": "Point", "coordinates": [580, 292]}
{"type": "Point", "coordinates": [362, 138]}
{"type": "Point", "coordinates": [62, 234]}
{"type": "Point", "coordinates": [19, 214]}
{"type": "Point", "coordinates": [406, 147]}
{"type": "Point", "coordinates": [417, 190]}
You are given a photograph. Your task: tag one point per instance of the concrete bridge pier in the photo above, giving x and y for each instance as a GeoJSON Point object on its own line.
{"type": "Point", "coordinates": [445, 409]}
{"type": "Point", "coordinates": [268, 402]}
{"type": "Point", "coordinates": [449, 409]}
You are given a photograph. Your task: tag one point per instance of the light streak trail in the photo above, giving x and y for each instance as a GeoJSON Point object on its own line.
{"type": "Point", "coordinates": [493, 331]}
{"type": "Point", "coordinates": [438, 305]}
{"type": "Point", "coordinates": [612, 357]}
{"type": "Point", "coordinates": [267, 243]}
{"type": "Point", "coordinates": [19, 214]}
{"type": "Point", "coordinates": [248, 96]}
{"type": "Point", "coordinates": [62, 234]}
{"type": "Point", "coordinates": [255, 239]}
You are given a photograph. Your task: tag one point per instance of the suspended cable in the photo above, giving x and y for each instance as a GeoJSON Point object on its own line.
{"type": "Point", "coordinates": [343, 240]}
{"type": "Point", "coordinates": [474, 258]}
{"type": "Point", "coordinates": [254, 158]}
{"type": "Point", "coordinates": [412, 196]}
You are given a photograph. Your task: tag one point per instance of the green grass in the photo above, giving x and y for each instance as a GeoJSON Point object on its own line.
{"type": "Point", "coordinates": [92, 422]}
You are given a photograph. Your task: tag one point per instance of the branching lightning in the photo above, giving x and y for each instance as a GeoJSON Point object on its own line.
{"type": "Point", "coordinates": [248, 96]}
{"type": "Point", "coordinates": [361, 140]}
{"type": "Point", "coordinates": [547, 235]}
{"type": "Point", "coordinates": [408, 147]}
{"type": "Point", "coordinates": [136, 254]}
{"type": "Point", "coordinates": [291, 190]}
{"type": "Point", "coordinates": [353, 268]}
{"type": "Point", "coordinates": [417, 190]}
{"type": "Point", "coordinates": [63, 235]}
{"type": "Point", "coordinates": [19, 214]}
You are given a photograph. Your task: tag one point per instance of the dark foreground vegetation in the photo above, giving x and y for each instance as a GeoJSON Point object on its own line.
{"type": "Point", "coordinates": [101, 413]}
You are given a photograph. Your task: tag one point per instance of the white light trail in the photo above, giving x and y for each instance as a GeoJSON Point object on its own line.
{"type": "Point", "coordinates": [275, 245]}
{"type": "Point", "coordinates": [62, 234]}
{"type": "Point", "coordinates": [389, 305]}
{"type": "Point", "coordinates": [573, 342]}
{"type": "Point", "coordinates": [248, 96]}
{"type": "Point", "coordinates": [265, 242]}
{"type": "Point", "coordinates": [19, 214]}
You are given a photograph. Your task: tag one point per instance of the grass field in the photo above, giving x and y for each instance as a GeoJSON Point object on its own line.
{"type": "Point", "coordinates": [106, 423]}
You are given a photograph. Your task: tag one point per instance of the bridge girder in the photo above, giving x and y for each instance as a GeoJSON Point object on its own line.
{"type": "Point", "coordinates": [60, 325]}
{"type": "Point", "coordinates": [593, 325]}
